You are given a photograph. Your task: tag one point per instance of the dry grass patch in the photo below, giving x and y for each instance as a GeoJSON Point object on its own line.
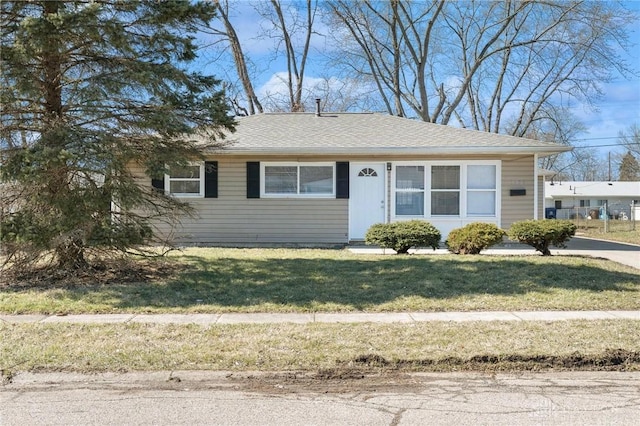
{"type": "Point", "coordinates": [289, 347]}
{"type": "Point", "coordinates": [620, 231]}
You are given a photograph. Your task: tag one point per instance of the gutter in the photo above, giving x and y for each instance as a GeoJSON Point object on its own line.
{"type": "Point", "coordinates": [540, 151]}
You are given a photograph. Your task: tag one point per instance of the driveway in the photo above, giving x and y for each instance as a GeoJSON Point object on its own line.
{"type": "Point", "coordinates": [627, 254]}
{"type": "Point", "coordinates": [581, 243]}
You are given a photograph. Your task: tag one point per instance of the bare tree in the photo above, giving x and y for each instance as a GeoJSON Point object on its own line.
{"type": "Point", "coordinates": [584, 163]}
{"type": "Point", "coordinates": [299, 23]}
{"type": "Point", "coordinates": [230, 36]}
{"type": "Point", "coordinates": [558, 125]}
{"type": "Point", "coordinates": [481, 63]}
{"type": "Point", "coordinates": [630, 139]}
{"type": "Point", "coordinates": [372, 36]}
{"type": "Point", "coordinates": [290, 26]}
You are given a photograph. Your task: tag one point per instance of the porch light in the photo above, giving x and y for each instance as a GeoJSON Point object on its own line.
{"type": "Point", "coordinates": [388, 167]}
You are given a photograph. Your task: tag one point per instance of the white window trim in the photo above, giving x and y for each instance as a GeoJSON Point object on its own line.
{"type": "Point", "coordinates": [168, 179]}
{"type": "Point", "coordinates": [264, 165]}
{"type": "Point", "coordinates": [463, 189]}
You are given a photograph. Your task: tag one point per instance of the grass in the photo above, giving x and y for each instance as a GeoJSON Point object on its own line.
{"type": "Point", "coordinates": [286, 280]}
{"type": "Point", "coordinates": [285, 347]}
{"type": "Point", "coordinates": [618, 230]}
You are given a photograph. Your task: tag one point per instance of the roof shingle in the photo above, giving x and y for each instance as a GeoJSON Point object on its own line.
{"type": "Point", "coordinates": [368, 133]}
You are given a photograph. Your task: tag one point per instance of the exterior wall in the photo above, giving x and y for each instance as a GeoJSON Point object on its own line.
{"type": "Point", "coordinates": [517, 173]}
{"type": "Point", "coordinates": [233, 219]}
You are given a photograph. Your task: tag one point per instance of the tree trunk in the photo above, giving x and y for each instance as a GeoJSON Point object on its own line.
{"type": "Point", "coordinates": [544, 249]}
{"type": "Point", "coordinates": [241, 64]}
{"type": "Point", "coordinates": [70, 253]}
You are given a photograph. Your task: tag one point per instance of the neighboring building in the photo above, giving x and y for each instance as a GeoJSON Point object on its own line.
{"type": "Point", "coordinates": [325, 178]}
{"type": "Point", "coordinates": [568, 200]}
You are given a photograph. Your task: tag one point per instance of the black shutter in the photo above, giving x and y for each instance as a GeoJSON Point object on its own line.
{"type": "Point", "coordinates": [253, 179]}
{"type": "Point", "coordinates": [158, 184]}
{"type": "Point", "coordinates": [210, 179]}
{"type": "Point", "coordinates": [342, 179]}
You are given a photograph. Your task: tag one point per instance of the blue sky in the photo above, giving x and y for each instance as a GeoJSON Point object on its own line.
{"type": "Point", "coordinates": [620, 106]}
{"type": "Point", "coordinates": [616, 111]}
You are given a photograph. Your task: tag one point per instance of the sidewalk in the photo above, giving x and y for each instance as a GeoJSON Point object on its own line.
{"type": "Point", "coordinates": [347, 317]}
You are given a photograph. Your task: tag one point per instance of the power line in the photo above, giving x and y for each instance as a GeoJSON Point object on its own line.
{"type": "Point", "coordinates": [597, 146]}
{"type": "Point", "coordinates": [598, 139]}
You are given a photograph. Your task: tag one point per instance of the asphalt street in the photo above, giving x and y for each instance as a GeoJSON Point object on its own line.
{"type": "Point", "coordinates": [215, 398]}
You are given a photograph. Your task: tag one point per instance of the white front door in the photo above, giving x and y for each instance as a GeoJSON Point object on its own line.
{"type": "Point", "coordinates": [366, 197]}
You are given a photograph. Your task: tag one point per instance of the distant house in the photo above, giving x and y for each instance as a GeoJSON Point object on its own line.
{"type": "Point", "coordinates": [325, 178]}
{"type": "Point", "coordinates": [618, 200]}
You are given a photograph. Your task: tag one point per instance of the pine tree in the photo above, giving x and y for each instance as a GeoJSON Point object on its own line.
{"type": "Point", "coordinates": [629, 168]}
{"type": "Point", "coordinates": [89, 88]}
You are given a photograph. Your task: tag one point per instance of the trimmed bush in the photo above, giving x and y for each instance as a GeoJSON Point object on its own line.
{"type": "Point", "coordinates": [401, 236]}
{"type": "Point", "coordinates": [473, 238]}
{"type": "Point", "coordinates": [542, 233]}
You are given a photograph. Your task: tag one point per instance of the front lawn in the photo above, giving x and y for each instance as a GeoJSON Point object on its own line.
{"type": "Point", "coordinates": [289, 280]}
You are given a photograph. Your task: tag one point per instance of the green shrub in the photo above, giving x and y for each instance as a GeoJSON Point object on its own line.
{"type": "Point", "coordinates": [473, 238]}
{"type": "Point", "coordinates": [540, 234]}
{"type": "Point", "coordinates": [401, 236]}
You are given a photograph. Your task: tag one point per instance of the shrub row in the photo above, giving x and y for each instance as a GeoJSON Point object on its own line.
{"type": "Point", "coordinates": [472, 238]}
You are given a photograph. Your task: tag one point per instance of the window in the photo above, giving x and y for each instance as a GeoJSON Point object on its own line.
{"type": "Point", "coordinates": [585, 203]}
{"type": "Point", "coordinates": [281, 180]}
{"type": "Point", "coordinates": [316, 180]}
{"type": "Point", "coordinates": [481, 190]}
{"type": "Point", "coordinates": [304, 180]}
{"type": "Point", "coordinates": [367, 172]}
{"type": "Point", "coordinates": [601, 203]}
{"type": "Point", "coordinates": [445, 190]}
{"type": "Point", "coordinates": [186, 181]}
{"type": "Point", "coordinates": [410, 190]}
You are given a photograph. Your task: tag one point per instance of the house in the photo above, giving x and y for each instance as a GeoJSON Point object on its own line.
{"type": "Point", "coordinates": [325, 178]}
{"type": "Point", "coordinates": [569, 200]}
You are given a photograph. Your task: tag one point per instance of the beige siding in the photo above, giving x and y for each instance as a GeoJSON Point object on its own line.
{"type": "Point", "coordinates": [517, 173]}
{"type": "Point", "coordinates": [232, 218]}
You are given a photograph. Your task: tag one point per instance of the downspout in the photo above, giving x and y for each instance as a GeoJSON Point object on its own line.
{"type": "Point", "coordinates": [535, 186]}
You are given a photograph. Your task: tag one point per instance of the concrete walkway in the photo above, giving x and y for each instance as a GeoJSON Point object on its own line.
{"type": "Point", "coordinates": [347, 317]}
{"type": "Point", "coordinates": [626, 254]}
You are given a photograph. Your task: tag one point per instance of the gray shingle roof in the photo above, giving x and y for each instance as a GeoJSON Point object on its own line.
{"type": "Point", "coordinates": [368, 133]}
